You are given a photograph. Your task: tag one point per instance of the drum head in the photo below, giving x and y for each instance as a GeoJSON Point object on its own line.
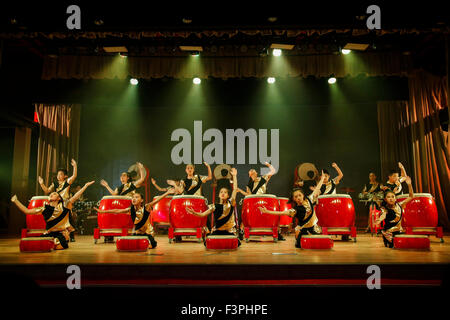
{"type": "Point", "coordinates": [40, 198]}
{"type": "Point", "coordinates": [307, 171]}
{"type": "Point", "coordinates": [260, 196]}
{"type": "Point", "coordinates": [132, 238]}
{"type": "Point", "coordinates": [117, 197]}
{"type": "Point", "coordinates": [37, 238]}
{"type": "Point", "coordinates": [410, 236]}
{"type": "Point", "coordinates": [315, 236]}
{"type": "Point", "coordinates": [222, 171]}
{"type": "Point", "coordinates": [188, 197]}
{"type": "Point", "coordinates": [221, 237]}
{"type": "Point", "coordinates": [334, 196]}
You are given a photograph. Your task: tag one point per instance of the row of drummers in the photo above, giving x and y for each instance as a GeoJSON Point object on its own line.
{"type": "Point", "coordinates": [262, 214]}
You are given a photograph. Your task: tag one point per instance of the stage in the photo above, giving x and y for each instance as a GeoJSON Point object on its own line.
{"type": "Point", "coordinates": [259, 262]}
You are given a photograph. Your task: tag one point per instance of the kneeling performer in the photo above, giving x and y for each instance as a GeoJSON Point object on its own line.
{"type": "Point", "coordinates": [56, 215]}
{"type": "Point", "coordinates": [224, 216]}
{"type": "Point", "coordinates": [303, 210]}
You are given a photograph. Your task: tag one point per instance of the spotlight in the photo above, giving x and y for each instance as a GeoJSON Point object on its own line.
{"type": "Point", "coordinates": [331, 80]}
{"type": "Point", "coordinates": [196, 80]}
{"type": "Point", "coordinates": [276, 52]}
{"type": "Point", "coordinates": [123, 55]}
{"type": "Point", "coordinates": [195, 53]}
{"type": "Point", "coordinates": [134, 81]}
{"type": "Point", "coordinates": [271, 80]}
{"type": "Point", "coordinates": [346, 51]}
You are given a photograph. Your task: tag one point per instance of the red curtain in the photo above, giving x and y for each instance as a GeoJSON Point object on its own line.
{"type": "Point", "coordinates": [58, 138]}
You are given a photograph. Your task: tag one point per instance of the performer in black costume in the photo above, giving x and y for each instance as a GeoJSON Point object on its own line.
{"type": "Point", "coordinates": [391, 213]}
{"type": "Point", "coordinates": [56, 215]}
{"type": "Point", "coordinates": [329, 186]}
{"type": "Point", "coordinates": [128, 186]}
{"type": "Point", "coordinates": [62, 187]}
{"type": "Point", "coordinates": [224, 213]}
{"type": "Point", "coordinates": [303, 211]}
{"type": "Point", "coordinates": [192, 183]}
{"type": "Point", "coordinates": [394, 182]}
{"type": "Point", "coordinates": [371, 192]}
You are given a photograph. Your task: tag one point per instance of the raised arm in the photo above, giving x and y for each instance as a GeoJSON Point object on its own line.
{"type": "Point", "coordinates": [158, 187]}
{"type": "Point", "coordinates": [44, 188]}
{"type": "Point", "coordinates": [316, 191]}
{"type": "Point", "coordinates": [74, 174]}
{"type": "Point", "coordinates": [244, 193]}
{"type": "Point", "coordinates": [411, 192]}
{"type": "Point", "coordinates": [159, 198]}
{"type": "Point", "coordinates": [22, 207]}
{"type": "Point", "coordinates": [77, 195]}
{"type": "Point", "coordinates": [340, 174]}
{"type": "Point", "coordinates": [139, 182]}
{"type": "Point", "coordinates": [403, 174]}
{"type": "Point", "coordinates": [209, 172]}
{"type": "Point", "coordinates": [106, 185]}
{"type": "Point", "coordinates": [200, 214]}
{"type": "Point", "coordinates": [235, 185]}
{"type": "Point", "coordinates": [272, 170]}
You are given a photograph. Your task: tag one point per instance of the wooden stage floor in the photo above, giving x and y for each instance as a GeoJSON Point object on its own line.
{"type": "Point", "coordinates": [257, 262]}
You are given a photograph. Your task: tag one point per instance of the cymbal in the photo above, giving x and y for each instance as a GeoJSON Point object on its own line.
{"type": "Point", "coordinates": [134, 169]}
{"type": "Point", "coordinates": [222, 171]}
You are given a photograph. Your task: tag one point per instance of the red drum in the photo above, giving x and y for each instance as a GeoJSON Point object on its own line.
{"type": "Point", "coordinates": [374, 215]}
{"type": "Point", "coordinates": [37, 244]}
{"type": "Point", "coordinates": [410, 241]}
{"type": "Point", "coordinates": [113, 224]}
{"type": "Point", "coordinates": [257, 223]}
{"type": "Point", "coordinates": [316, 242]}
{"type": "Point", "coordinates": [285, 221]}
{"type": "Point", "coordinates": [132, 243]}
{"type": "Point", "coordinates": [161, 211]}
{"type": "Point", "coordinates": [336, 214]}
{"type": "Point", "coordinates": [420, 215]}
{"type": "Point", "coordinates": [222, 242]}
{"type": "Point", "coordinates": [35, 222]}
{"type": "Point", "coordinates": [183, 223]}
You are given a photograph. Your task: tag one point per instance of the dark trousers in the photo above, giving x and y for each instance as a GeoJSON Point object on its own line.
{"type": "Point", "coordinates": [304, 231]}
{"type": "Point", "coordinates": [59, 236]}
{"type": "Point", "coordinates": [150, 238]}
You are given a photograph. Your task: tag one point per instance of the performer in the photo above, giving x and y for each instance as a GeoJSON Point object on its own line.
{"type": "Point", "coordinates": [371, 191]}
{"type": "Point", "coordinates": [56, 215]}
{"type": "Point", "coordinates": [394, 182]}
{"type": "Point", "coordinates": [140, 214]}
{"type": "Point", "coordinates": [62, 187]}
{"type": "Point", "coordinates": [303, 211]}
{"type": "Point", "coordinates": [128, 186]}
{"type": "Point", "coordinates": [224, 216]}
{"type": "Point", "coordinates": [258, 185]}
{"type": "Point", "coordinates": [391, 213]}
{"type": "Point", "coordinates": [329, 186]}
{"type": "Point", "coordinates": [192, 183]}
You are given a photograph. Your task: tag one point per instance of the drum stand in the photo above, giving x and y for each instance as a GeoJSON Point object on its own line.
{"type": "Point", "coordinates": [261, 232]}
{"type": "Point", "coordinates": [197, 232]}
{"type": "Point", "coordinates": [110, 233]}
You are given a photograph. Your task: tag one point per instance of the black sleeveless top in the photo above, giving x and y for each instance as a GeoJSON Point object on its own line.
{"type": "Point", "coordinates": [251, 184]}
{"type": "Point", "coordinates": [144, 219]}
{"type": "Point", "coordinates": [47, 213]}
{"type": "Point", "coordinates": [188, 184]}
{"type": "Point", "coordinates": [122, 192]}
{"type": "Point", "coordinates": [300, 213]}
{"type": "Point", "coordinates": [220, 217]}
{"type": "Point", "coordinates": [392, 220]}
